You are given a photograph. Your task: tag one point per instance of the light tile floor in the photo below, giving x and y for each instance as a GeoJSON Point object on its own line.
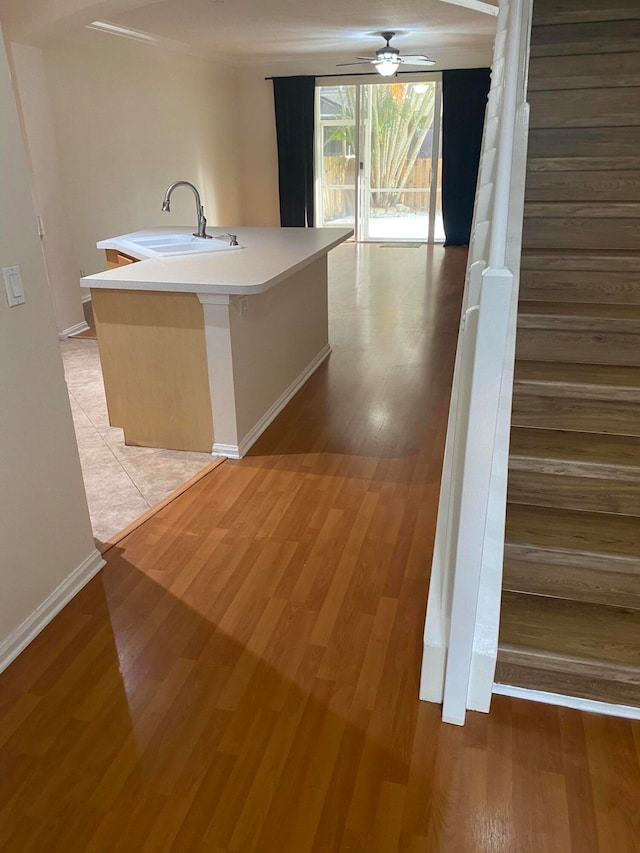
{"type": "Point", "coordinates": [121, 482]}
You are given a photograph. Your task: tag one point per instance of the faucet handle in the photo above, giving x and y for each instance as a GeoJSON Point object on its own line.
{"type": "Point", "coordinates": [233, 238]}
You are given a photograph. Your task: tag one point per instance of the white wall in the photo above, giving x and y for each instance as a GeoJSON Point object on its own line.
{"type": "Point", "coordinates": [131, 118]}
{"type": "Point", "coordinates": [258, 150]}
{"type": "Point", "coordinates": [37, 122]}
{"type": "Point", "coordinates": [45, 532]}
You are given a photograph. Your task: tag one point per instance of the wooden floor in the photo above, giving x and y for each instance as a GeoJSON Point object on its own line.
{"type": "Point", "coordinates": [243, 675]}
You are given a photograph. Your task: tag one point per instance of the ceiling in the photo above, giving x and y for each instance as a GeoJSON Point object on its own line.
{"type": "Point", "coordinates": [294, 36]}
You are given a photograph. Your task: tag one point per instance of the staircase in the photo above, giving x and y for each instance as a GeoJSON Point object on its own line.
{"type": "Point", "coordinates": [571, 591]}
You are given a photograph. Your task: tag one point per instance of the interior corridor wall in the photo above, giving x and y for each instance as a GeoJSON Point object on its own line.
{"type": "Point", "coordinates": [44, 521]}
{"type": "Point", "coordinates": [34, 107]}
{"type": "Point", "coordinates": [130, 119]}
{"type": "Point", "coordinates": [258, 149]}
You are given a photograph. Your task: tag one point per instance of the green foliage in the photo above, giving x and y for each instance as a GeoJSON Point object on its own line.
{"type": "Point", "coordinates": [397, 117]}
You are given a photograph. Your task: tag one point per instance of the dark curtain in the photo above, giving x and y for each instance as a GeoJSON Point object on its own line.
{"type": "Point", "coordinates": [464, 98]}
{"type": "Point", "coordinates": [294, 103]}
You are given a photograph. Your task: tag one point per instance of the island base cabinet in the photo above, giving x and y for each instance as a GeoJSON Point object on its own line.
{"type": "Point", "coordinates": [154, 364]}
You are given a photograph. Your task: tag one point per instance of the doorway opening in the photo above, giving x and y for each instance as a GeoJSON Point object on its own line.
{"type": "Point", "coordinates": [378, 160]}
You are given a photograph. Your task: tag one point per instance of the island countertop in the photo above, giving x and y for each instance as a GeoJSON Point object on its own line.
{"type": "Point", "coordinates": [267, 256]}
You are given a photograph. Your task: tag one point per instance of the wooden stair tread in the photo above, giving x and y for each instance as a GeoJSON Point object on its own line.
{"type": "Point", "coordinates": [623, 260]}
{"type": "Point", "coordinates": [618, 36]}
{"type": "Point", "coordinates": [582, 209]}
{"type": "Point", "coordinates": [572, 555]}
{"type": "Point", "coordinates": [577, 11]}
{"type": "Point", "coordinates": [599, 381]}
{"type": "Point", "coordinates": [575, 453]}
{"type": "Point", "coordinates": [582, 309]}
{"type": "Point", "coordinates": [580, 72]}
{"type": "Point", "coordinates": [613, 537]}
{"type": "Point", "coordinates": [573, 631]}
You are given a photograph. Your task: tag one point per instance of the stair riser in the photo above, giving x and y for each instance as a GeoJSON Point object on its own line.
{"type": "Point", "coordinates": [591, 38]}
{"type": "Point", "coordinates": [588, 494]}
{"type": "Point", "coordinates": [589, 187]}
{"type": "Point", "coordinates": [581, 262]}
{"type": "Point", "coordinates": [576, 414]}
{"type": "Point", "coordinates": [584, 211]}
{"type": "Point", "coordinates": [593, 108]}
{"type": "Point", "coordinates": [571, 583]}
{"type": "Point", "coordinates": [601, 144]}
{"type": "Point", "coordinates": [577, 11]}
{"type": "Point", "coordinates": [570, 234]}
{"type": "Point", "coordinates": [578, 347]}
{"type": "Point", "coordinates": [568, 684]}
{"type": "Point", "coordinates": [579, 286]}
{"type": "Point", "coordinates": [580, 72]}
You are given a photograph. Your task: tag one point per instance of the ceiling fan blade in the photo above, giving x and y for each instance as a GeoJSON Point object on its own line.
{"type": "Point", "coordinates": [364, 62]}
{"type": "Point", "coordinates": [409, 57]}
{"type": "Point", "coordinates": [416, 60]}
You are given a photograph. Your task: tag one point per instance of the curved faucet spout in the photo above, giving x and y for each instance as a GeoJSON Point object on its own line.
{"type": "Point", "coordinates": [202, 222]}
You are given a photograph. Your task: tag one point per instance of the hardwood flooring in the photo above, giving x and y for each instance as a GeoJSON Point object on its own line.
{"type": "Point", "coordinates": [243, 674]}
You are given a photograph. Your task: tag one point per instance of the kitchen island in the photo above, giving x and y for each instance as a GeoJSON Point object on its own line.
{"type": "Point", "coordinates": [202, 350]}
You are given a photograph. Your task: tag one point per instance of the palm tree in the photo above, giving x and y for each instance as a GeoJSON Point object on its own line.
{"type": "Point", "coordinates": [398, 117]}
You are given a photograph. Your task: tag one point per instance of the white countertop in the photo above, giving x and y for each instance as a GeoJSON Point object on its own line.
{"type": "Point", "coordinates": [268, 256]}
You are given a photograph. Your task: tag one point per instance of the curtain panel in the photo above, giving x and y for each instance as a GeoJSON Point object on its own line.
{"type": "Point", "coordinates": [294, 99]}
{"type": "Point", "coordinates": [464, 99]}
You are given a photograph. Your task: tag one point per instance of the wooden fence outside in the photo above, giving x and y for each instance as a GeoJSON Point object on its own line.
{"type": "Point", "coordinates": [338, 203]}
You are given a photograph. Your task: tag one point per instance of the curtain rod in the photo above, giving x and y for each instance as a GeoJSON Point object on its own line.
{"type": "Point", "coordinates": [354, 74]}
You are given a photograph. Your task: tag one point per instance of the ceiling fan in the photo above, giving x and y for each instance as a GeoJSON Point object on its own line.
{"type": "Point", "coordinates": [387, 59]}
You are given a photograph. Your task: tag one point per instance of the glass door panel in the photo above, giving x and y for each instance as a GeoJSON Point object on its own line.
{"type": "Point", "coordinates": [378, 162]}
{"type": "Point", "coordinates": [398, 121]}
{"type": "Point", "coordinates": [336, 156]}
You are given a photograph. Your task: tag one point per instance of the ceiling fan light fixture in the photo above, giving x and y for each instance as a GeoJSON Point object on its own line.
{"type": "Point", "coordinates": [387, 59]}
{"type": "Point", "coordinates": [387, 62]}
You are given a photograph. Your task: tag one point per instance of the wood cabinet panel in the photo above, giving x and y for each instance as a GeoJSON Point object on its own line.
{"type": "Point", "coordinates": [154, 363]}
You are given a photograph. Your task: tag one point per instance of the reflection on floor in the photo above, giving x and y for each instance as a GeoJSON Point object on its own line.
{"type": "Point", "coordinates": [121, 482]}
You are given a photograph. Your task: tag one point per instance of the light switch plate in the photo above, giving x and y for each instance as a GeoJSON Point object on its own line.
{"type": "Point", "coordinates": [13, 285]}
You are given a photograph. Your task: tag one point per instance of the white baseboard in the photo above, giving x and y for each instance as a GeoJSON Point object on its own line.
{"type": "Point", "coordinates": [237, 451]}
{"type": "Point", "coordinates": [86, 297]}
{"type": "Point", "coordinates": [231, 451]}
{"type": "Point", "coordinates": [591, 706]}
{"type": "Point", "coordinates": [73, 330]}
{"type": "Point", "coordinates": [50, 607]}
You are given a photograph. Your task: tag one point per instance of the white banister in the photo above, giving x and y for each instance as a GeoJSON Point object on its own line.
{"type": "Point", "coordinates": [486, 376]}
{"type": "Point", "coordinates": [498, 246]}
{"type": "Point", "coordinates": [461, 629]}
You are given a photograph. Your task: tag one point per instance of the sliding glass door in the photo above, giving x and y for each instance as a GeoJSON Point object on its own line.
{"type": "Point", "coordinates": [378, 160]}
{"type": "Point", "coordinates": [337, 155]}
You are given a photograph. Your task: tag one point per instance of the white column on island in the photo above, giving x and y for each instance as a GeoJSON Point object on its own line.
{"type": "Point", "coordinates": [217, 330]}
{"type": "Point", "coordinates": [261, 349]}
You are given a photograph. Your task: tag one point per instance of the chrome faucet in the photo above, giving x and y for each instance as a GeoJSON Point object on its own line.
{"type": "Point", "coordinates": [202, 222]}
